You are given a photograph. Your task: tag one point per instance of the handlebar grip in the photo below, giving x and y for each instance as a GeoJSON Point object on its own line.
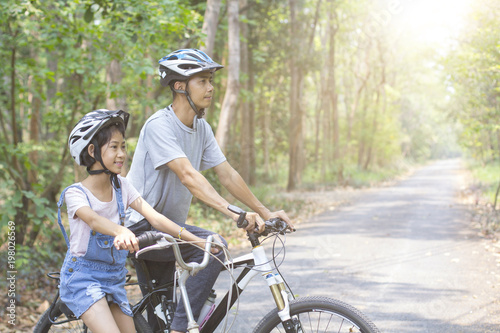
{"type": "Point", "coordinates": [274, 225]}
{"type": "Point", "coordinates": [148, 238]}
{"type": "Point", "coordinates": [241, 223]}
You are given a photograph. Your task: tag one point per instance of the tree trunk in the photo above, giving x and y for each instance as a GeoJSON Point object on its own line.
{"type": "Point", "coordinates": [210, 25]}
{"type": "Point", "coordinates": [247, 156]}
{"type": "Point", "coordinates": [264, 125]}
{"type": "Point", "coordinates": [380, 93]}
{"type": "Point", "coordinates": [332, 93]}
{"type": "Point", "coordinates": [34, 126]}
{"type": "Point", "coordinates": [114, 77]}
{"type": "Point", "coordinates": [20, 219]}
{"type": "Point", "coordinates": [295, 135]}
{"type": "Point", "coordinates": [322, 116]}
{"type": "Point", "coordinates": [233, 86]}
{"type": "Point", "coordinates": [251, 118]}
{"type": "Point", "coordinates": [34, 137]}
{"type": "Point", "coordinates": [498, 143]}
{"type": "Point", "coordinates": [317, 123]}
{"type": "Point", "coordinates": [353, 108]}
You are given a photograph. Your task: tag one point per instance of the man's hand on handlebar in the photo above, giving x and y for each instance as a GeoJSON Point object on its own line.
{"type": "Point", "coordinates": [252, 222]}
{"type": "Point", "coordinates": [255, 223]}
{"type": "Point", "coordinates": [283, 216]}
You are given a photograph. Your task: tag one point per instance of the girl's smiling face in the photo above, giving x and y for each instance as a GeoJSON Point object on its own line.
{"type": "Point", "coordinates": [113, 153]}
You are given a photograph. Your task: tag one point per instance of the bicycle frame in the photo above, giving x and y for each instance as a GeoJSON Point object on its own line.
{"type": "Point", "coordinates": [160, 301]}
{"type": "Point", "coordinates": [254, 263]}
{"type": "Point", "coordinates": [257, 258]}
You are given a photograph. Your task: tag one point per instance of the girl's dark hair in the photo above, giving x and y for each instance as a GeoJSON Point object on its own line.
{"type": "Point", "coordinates": [100, 139]}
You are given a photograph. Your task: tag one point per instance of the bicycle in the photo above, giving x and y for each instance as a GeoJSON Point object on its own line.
{"type": "Point", "coordinates": [291, 315]}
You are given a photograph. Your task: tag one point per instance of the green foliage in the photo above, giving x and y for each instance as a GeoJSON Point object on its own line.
{"type": "Point", "coordinates": [56, 65]}
{"type": "Point", "coordinates": [32, 264]}
{"type": "Point", "coordinates": [473, 76]}
{"type": "Point", "coordinates": [391, 103]}
{"type": "Point", "coordinates": [486, 178]}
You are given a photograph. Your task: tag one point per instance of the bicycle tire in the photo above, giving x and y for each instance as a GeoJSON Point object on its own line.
{"type": "Point", "coordinates": [319, 314]}
{"type": "Point", "coordinates": [141, 324]}
{"type": "Point", "coordinates": [45, 325]}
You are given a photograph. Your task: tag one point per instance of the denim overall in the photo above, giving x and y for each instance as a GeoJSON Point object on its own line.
{"type": "Point", "coordinates": [99, 273]}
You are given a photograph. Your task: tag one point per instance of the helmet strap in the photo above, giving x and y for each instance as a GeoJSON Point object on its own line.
{"type": "Point", "coordinates": [113, 177]}
{"type": "Point", "coordinates": [200, 113]}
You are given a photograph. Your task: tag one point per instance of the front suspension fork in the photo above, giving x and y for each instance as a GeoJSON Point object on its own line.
{"type": "Point", "coordinates": [276, 284]}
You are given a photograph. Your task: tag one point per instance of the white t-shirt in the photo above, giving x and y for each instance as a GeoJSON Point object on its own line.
{"type": "Point", "coordinates": [76, 199]}
{"type": "Point", "coordinates": [165, 138]}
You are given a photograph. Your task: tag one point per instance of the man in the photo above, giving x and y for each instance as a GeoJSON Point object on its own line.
{"type": "Point", "coordinates": [175, 144]}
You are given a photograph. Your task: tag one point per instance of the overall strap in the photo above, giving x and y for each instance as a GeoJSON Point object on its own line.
{"type": "Point", "coordinates": [59, 205]}
{"type": "Point", "coordinates": [121, 208]}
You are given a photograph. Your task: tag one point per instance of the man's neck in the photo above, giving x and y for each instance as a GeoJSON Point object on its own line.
{"type": "Point", "coordinates": [184, 112]}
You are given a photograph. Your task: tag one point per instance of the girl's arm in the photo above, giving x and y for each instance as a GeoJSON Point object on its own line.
{"type": "Point", "coordinates": [124, 238]}
{"type": "Point", "coordinates": [162, 223]}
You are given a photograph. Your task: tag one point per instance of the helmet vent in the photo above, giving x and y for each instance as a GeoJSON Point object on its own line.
{"type": "Point", "coordinates": [188, 66]}
{"type": "Point", "coordinates": [85, 129]}
{"type": "Point", "coordinates": [75, 138]}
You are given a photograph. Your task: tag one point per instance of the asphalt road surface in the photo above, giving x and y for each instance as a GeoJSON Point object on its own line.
{"type": "Point", "coordinates": [405, 255]}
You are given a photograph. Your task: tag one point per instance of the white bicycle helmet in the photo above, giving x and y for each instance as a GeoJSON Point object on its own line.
{"type": "Point", "coordinates": [88, 126]}
{"type": "Point", "coordinates": [181, 65]}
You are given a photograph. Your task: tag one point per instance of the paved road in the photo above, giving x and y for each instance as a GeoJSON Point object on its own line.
{"type": "Point", "coordinates": [405, 255]}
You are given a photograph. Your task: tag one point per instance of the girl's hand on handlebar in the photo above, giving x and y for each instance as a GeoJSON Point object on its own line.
{"type": "Point", "coordinates": [126, 240]}
{"type": "Point", "coordinates": [217, 244]}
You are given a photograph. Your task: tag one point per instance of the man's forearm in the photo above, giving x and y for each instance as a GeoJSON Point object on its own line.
{"type": "Point", "coordinates": [199, 187]}
{"type": "Point", "coordinates": [235, 184]}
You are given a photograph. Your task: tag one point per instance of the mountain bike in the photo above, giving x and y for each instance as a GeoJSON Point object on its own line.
{"type": "Point", "coordinates": [291, 315]}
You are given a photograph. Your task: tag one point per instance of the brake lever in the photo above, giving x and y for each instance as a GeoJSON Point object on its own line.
{"type": "Point", "coordinates": [162, 243]}
{"type": "Point", "coordinates": [218, 244]}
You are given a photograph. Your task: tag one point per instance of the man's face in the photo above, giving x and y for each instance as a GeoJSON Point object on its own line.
{"type": "Point", "coordinates": [201, 89]}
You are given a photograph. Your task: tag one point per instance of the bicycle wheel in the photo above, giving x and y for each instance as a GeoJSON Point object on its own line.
{"type": "Point", "coordinates": [73, 324]}
{"type": "Point", "coordinates": [319, 314]}
{"type": "Point", "coordinates": [55, 314]}
{"type": "Point", "coordinates": [141, 324]}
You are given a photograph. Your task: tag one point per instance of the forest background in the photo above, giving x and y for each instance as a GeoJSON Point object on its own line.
{"type": "Point", "coordinates": [314, 94]}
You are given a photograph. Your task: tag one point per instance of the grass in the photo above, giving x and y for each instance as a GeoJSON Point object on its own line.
{"type": "Point", "coordinates": [352, 175]}
{"type": "Point", "coordinates": [486, 178]}
{"type": "Point", "coordinates": [485, 182]}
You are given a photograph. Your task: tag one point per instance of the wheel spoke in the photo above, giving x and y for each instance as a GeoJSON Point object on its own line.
{"type": "Point", "coordinates": [320, 314]}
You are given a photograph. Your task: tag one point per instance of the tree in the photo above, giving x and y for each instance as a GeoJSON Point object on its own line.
{"type": "Point", "coordinates": [247, 106]}
{"type": "Point", "coordinates": [474, 74]}
{"type": "Point", "coordinates": [66, 59]}
{"type": "Point", "coordinates": [210, 24]}
{"type": "Point", "coordinates": [296, 116]}
{"type": "Point", "coordinates": [233, 84]}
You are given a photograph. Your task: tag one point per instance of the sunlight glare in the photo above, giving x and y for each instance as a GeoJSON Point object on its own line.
{"type": "Point", "coordinates": [435, 21]}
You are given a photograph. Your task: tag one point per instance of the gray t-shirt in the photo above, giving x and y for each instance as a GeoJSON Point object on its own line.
{"type": "Point", "coordinates": [165, 138]}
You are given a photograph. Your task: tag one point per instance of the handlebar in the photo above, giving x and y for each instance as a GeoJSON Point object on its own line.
{"type": "Point", "coordinates": [272, 225]}
{"type": "Point", "coordinates": [155, 240]}
{"type": "Point", "coordinates": [241, 223]}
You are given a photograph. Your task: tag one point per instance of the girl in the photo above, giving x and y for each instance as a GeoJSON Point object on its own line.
{"type": "Point", "coordinates": [93, 272]}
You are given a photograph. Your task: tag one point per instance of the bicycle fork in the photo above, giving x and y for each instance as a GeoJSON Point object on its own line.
{"type": "Point", "coordinates": [277, 286]}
